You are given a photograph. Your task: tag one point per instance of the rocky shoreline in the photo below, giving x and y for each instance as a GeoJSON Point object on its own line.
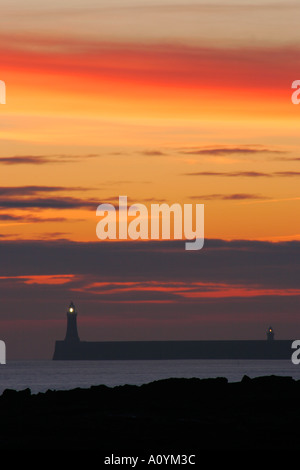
{"type": "Point", "coordinates": [163, 416]}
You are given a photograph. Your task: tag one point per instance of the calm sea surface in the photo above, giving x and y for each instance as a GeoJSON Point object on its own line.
{"type": "Point", "coordinates": [40, 376]}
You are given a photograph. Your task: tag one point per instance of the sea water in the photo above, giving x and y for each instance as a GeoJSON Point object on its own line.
{"type": "Point", "coordinates": [41, 376]}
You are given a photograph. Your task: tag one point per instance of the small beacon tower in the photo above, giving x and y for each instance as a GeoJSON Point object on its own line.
{"type": "Point", "coordinates": [72, 333]}
{"type": "Point", "coordinates": [270, 334]}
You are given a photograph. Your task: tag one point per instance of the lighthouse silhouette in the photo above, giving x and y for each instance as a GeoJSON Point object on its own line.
{"type": "Point", "coordinates": [270, 334]}
{"type": "Point", "coordinates": [72, 333]}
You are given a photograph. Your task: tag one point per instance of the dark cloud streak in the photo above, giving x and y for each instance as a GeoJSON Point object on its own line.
{"type": "Point", "coordinates": [257, 263]}
{"type": "Point", "coordinates": [249, 174]}
{"type": "Point", "coordinates": [30, 219]}
{"type": "Point", "coordinates": [33, 190]}
{"type": "Point", "coordinates": [48, 203]}
{"type": "Point", "coordinates": [228, 197]}
{"type": "Point", "coordinates": [225, 151]}
{"type": "Point", "coordinates": [43, 159]}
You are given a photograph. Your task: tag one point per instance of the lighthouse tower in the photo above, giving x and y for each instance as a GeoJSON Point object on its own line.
{"type": "Point", "coordinates": [270, 334]}
{"type": "Point", "coordinates": [72, 333]}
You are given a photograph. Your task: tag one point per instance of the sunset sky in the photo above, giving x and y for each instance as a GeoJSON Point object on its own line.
{"type": "Point", "coordinates": [168, 101]}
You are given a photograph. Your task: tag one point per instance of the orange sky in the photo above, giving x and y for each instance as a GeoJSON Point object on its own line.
{"type": "Point", "coordinates": [166, 102]}
{"type": "Point", "coordinates": [108, 114]}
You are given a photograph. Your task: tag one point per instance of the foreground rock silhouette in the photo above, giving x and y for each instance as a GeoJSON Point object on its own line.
{"type": "Point", "coordinates": [165, 416]}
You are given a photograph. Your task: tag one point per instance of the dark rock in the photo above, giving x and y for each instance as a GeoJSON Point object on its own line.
{"type": "Point", "coordinates": [166, 415]}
